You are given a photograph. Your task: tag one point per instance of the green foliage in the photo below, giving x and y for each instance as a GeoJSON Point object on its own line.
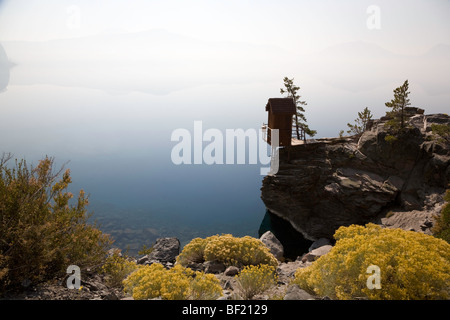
{"type": "Point", "coordinates": [299, 120]}
{"type": "Point", "coordinates": [361, 122]}
{"type": "Point", "coordinates": [442, 130]}
{"type": "Point", "coordinates": [145, 250]}
{"type": "Point", "coordinates": [390, 139]}
{"type": "Point", "coordinates": [441, 229]}
{"type": "Point", "coordinates": [178, 283]}
{"type": "Point", "coordinates": [253, 280]}
{"type": "Point", "coordinates": [117, 268]}
{"type": "Point", "coordinates": [227, 249]}
{"type": "Point", "coordinates": [398, 104]}
{"type": "Point", "coordinates": [412, 265]}
{"type": "Point", "coordinates": [41, 233]}
{"type": "Point", "coordinates": [393, 124]}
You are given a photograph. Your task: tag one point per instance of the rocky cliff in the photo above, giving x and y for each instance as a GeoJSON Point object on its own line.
{"type": "Point", "coordinates": [323, 185]}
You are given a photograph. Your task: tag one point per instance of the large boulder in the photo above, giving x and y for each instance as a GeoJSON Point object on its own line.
{"type": "Point", "coordinates": [316, 253]}
{"type": "Point", "coordinates": [294, 292]}
{"type": "Point", "coordinates": [319, 243]}
{"type": "Point", "coordinates": [165, 250]}
{"type": "Point", "coordinates": [273, 244]}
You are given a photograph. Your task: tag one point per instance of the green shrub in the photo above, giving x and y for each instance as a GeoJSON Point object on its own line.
{"type": "Point", "coordinates": [145, 250]}
{"type": "Point", "coordinates": [41, 233]}
{"type": "Point", "coordinates": [390, 139]}
{"type": "Point", "coordinates": [178, 283]}
{"type": "Point", "coordinates": [441, 228]}
{"type": "Point", "coordinates": [117, 268]}
{"type": "Point", "coordinates": [412, 265]}
{"type": "Point", "coordinates": [227, 249]}
{"type": "Point", "coordinates": [442, 130]}
{"type": "Point", "coordinates": [253, 280]}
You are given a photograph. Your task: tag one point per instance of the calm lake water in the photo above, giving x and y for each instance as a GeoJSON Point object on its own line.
{"type": "Point", "coordinates": [109, 115]}
{"type": "Point", "coordinates": [118, 148]}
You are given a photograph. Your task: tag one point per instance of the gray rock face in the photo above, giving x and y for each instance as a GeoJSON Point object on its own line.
{"type": "Point", "coordinates": [316, 253]}
{"type": "Point", "coordinates": [273, 244]}
{"type": "Point", "coordinates": [165, 250]}
{"type": "Point", "coordinates": [338, 182]}
{"type": "Point", "coordinates": [319, 243]}
{"type": "Point", "coordinates": [421, 221]}
{"type": "Point", "coordinates": [214, 266]}
{"type": "Point", "coordinates": [231, 271]}
{"type": "Point", "coordinates": [294, 292]}
{"type": "Point", "coordinates": [286, 270]}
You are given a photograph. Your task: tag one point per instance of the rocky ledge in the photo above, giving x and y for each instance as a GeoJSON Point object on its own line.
{"type": "Point", "coordinates": [393, 179]}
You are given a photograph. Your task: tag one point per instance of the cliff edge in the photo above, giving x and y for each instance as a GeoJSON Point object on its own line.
{"type": "Point", "coordinates": [337, 182]}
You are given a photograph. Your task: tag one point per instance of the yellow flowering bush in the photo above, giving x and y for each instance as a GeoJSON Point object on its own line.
{"type": "Point", "coordinates": [227, 249]}
{"type": "Point", "coordinates": [178, 283]}
{"type": "Point", "coordinates": [193, 251]}
{"type": "Point", "coordinates": [145, 282]}
{"type": "Point", "coordinates": [116, 268]}
{"type": "Point", "coordinates": [43, 229]}
{"type": "Point", "coordinates": [205, 287]}
{"type": "Point", "coordinates": [253, 280]}
{"type": "Point", "coordinates": [412, 265]}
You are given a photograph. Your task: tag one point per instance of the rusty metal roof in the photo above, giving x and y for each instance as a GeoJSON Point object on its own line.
{"type": "Point", "coordinates": [281, 105]}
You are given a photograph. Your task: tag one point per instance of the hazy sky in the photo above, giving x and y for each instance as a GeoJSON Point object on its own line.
{"type": "Point", "coordinates": [405, 26]}
{"type": "Point", "coordinates": [211, 59]}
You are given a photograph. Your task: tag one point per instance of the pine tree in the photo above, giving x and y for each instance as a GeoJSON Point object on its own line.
{"type": "Point", "coordinates": [299, 121]}
{"type": "Point", "coordinates": [361, 122]}
{"type": "Point", "coordinates": [399, 103]}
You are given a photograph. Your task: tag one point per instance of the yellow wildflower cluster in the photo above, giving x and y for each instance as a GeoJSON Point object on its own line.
{"type": "Point", "coordinates": [412, 265]}
{"type": "Point", "coordinates": [253, 280]}
{"type": "Point", "coordinates": [178, 283]}
{"type": "Point", "coordinates": [227, 249]}
{"type": "Point", "coordinates": [194, 251]}
{"type": "Point", "coordinates": [116, 268]}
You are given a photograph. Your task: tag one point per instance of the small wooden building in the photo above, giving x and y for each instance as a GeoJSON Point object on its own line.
{"type": "Point", "coordinates": [280, 111]}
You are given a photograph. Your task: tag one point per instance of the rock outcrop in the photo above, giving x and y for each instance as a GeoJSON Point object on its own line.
{"type": "Point", "coordinates": [164, 251]}
{"type": "Point", "coordinates": [273, 244]}
{"type": "Point", "coordinates": [355, 180]}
